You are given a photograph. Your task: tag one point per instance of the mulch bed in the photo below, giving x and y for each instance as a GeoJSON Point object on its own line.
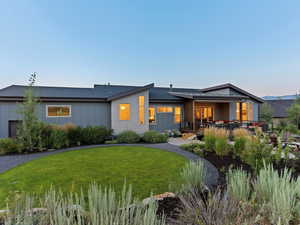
{"type": "Point", "coordinates": [170, 206]}
{"type": "Point", "coordinates": [224, 164]}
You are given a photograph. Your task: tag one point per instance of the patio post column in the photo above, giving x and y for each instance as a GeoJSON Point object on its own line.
{"type": "Point", "coordinates": [193, 111]}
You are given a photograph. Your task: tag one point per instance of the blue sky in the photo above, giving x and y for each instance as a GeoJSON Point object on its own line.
{"type": "Point", "coordinates": [253, 44]}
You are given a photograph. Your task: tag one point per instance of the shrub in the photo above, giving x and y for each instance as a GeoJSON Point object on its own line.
{"type": "Point", "coordinates": [9, 145]}
{"type": "Point", "coordinates": [239, 145]}
{"type": "Point", "coordinates": [111, 142]}
{"type": "Point", "coordinates": [94, 135]}
{"type": "Point", "coordinates": [257, 152]}
{"type": "Point", "coordinates": [65, 127]}
{"type": "Point", "coordinates": [192, 146]}
{"type": "Point", "coordinates": [128, 137]}
{"type": "Point", "coordinates": [58, 139]}
{"type": "Point", "coordinates": [193, 176]}
{"type": "Point", "coordinates": [74, 136]}
{"type": "Point", "coordinates": [154, 137]}
{"type": "Point", "coordinates": [238, 185]}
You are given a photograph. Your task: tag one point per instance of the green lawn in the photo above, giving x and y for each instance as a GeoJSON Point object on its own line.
{"type": "Point", "coordinates": [147, 169]}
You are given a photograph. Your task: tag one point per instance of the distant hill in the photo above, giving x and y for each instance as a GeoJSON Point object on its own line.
{"type": "Point", "coordinates": [284, 97]}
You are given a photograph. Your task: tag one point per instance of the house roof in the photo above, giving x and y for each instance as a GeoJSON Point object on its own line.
{"type": "Point", "coordinates": [229, 85]}
{"type": "Point", "coordinates": [280, 107]}
{"type": "Point", "coordinates": [112, 92]}
{"type": "Point", "coordinates": [130, 92]}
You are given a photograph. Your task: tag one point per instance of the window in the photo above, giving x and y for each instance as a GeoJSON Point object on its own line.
{"type": "Point", "coordinates": [177, 115]}
{"type": "Point", "coordinates": [124, 111]}
{"type": "Point", "coordinates": [58, 110]}
{"type": "Point", "coordinates": [152, 115]}
{"type": "Point", "coordinates": [141, 109]}
{"type": "Point", "coordinates": [250, 111]}
{"type": "Point", "coordinates": [164, 109]}
{"type": "Point", "coordinates": [244, 111]}
{"type": "Point", "coordinates": [238, 113]}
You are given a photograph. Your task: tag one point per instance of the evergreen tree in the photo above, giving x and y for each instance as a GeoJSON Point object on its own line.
{"type": "Point", "coordinates": [266, 113]}
{"type": "Point", "coordinates": [294, 113]}
{"type": "Point", "coordinates": [29, 133]}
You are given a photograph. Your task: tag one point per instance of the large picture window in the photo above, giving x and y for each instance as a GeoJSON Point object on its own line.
{"type": "Point", "coordinates": [177, 115]}
{"type": "Point", "coordinates": [152, 115]}
{"type": "Point", "coordinates": [124, 111]}
{"type": "Point", "coordinates": [164, 109]}
{"type": "Point", "coordinates": [58, 110]}
{"type": "Point", "coordinates": [141, 109]}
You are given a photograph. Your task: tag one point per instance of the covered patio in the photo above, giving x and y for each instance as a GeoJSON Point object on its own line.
{"type": "Point", "coordinates": [206, 110]}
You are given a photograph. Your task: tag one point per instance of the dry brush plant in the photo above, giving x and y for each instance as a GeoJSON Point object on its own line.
{"type": "Point", "coordinates": [217, 209]}
{"type": "Point", "coordinates": [193, 176]}
{"type": "Point", "coordinates": [100, 206]}
{"type": "Point", "coordinates": [271, 198]}
{"type": "Point", "coordinates": [279, 193]}
{"type": "Point", "coordinates": [239, 185]}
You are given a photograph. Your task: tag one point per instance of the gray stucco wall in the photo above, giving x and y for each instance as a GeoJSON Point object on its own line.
{"type": "Point", "coordinates": [132, 124]}
{"type": "Point", "coordinates": [165, 121]}
{"type": "Point", "coordinates": [83, 114]}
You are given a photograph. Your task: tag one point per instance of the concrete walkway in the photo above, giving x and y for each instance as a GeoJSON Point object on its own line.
{"type": "Point", "coordinates": [11, 161]}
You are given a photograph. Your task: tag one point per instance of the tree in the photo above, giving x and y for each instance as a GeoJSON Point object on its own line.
{"type": "Point", "coordinates": [294, 113]}
{"type": "Point", "coordinates": [266, 113]}
{"type": "Point", "coordinates": [29, 133]}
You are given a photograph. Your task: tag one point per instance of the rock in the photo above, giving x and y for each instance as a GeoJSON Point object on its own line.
{"type": "Point", "coordinates": [146, 201]}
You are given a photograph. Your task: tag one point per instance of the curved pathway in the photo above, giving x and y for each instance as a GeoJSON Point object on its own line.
{"type": "Point", "coordinates": [11, 161]}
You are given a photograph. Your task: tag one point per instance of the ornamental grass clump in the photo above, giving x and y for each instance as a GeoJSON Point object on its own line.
{"type": "Point", "coordinates": [240, 136]}
{"type": "Point", "coordinates": [222, 146]}
{"type": "Point", "coordinates": [193, 176]}
{"type": "Point", "coordinates": [239, 185]}
{"type": "Point", "coordinates": [101, 206]}
{"type": "Point", "coordinates": [278, 193]}
{"type": "Point", "coordinates": [216, 140]}
{"type": "Point", "coordinates": [210, 138]}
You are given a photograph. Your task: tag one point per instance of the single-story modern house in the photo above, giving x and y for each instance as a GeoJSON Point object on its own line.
{"type": "Point", "coordinates": [137, 108]}
{"type": "Point", "coordinates": [279, 108]}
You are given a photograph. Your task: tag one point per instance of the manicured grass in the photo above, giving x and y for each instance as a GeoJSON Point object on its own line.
{"type": "Point", "coordinates": [147, 169]}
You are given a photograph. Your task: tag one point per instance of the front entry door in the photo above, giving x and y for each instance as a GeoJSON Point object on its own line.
{"type": "Point", "coordinates": [13, 127]}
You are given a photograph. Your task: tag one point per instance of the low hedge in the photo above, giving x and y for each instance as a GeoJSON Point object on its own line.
{"type": "Point", "coordinates": [9, 146]}
{"type": "Point", "coordinates": [93, 135]}
{"type": "Point", "coordinates": [154, 137]}
{"type": "Point", "coordinates": [128, 137]}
